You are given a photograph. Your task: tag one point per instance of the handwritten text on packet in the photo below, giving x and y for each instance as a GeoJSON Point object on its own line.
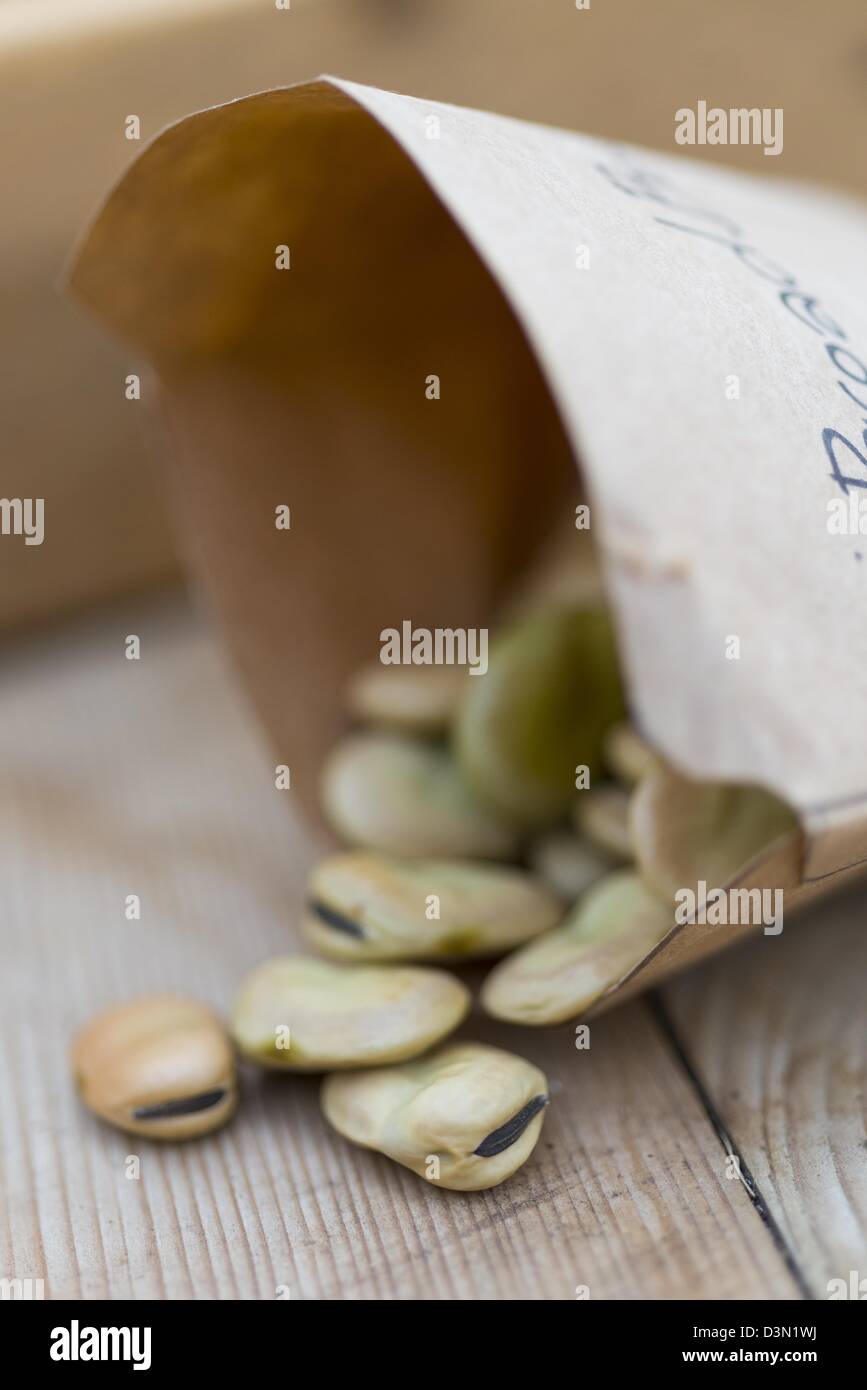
{"type": "Point", "coordinates": [642, 183]}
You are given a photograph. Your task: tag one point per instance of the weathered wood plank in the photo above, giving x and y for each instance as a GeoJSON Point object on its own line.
{"type": "Point", "coordinates": [777, 1033]}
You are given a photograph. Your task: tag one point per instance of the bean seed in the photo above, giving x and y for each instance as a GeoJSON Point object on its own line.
{"type": "Point", "coordinates": [401, 796]}
{"type": "Point", "coordinates": [299, 1014]}
{"type": "Point", "coordinates": [551, 690]}
{"type": "Point", "coordinates": [602, 814]}
{"type": "Point", "coordinates": [567, 864]}
{"type": "Point", "coordinates": [561, 974]}
{"type": "Point", "coordinates": [160, 1066]}
{"type": "Point", "coordinates": [685, 832]}
{"type": "Point", "coordinates": [409, 699]}
{"type": "Point", "coordinates": [626, 754]}
{"type": "Point", "coordinates": [375, 907]}
{"type": "Point", "coordinates": [565, 574]}
{"type": "Point", "coordinates": [465, 1117]}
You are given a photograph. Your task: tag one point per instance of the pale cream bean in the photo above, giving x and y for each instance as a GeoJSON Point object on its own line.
{"type": "Point", "coordinates": [465, 1117]}
{"type": "Point", "coordinates": [602, 814]}
{"type": "Point", "coordinates": [686, 832]}
{"type": "Point", "coordinates": [378, 907]}
{"type": "Point", "coordinates": [161, 1066]}
{"type": "Point", "coordinates": [403, 796]}
{"type": "Point", "coordinates": [551, 690]}
{"type": "Point", "coordinates": [561, 974]}
{"type": "Point", "coordinates": [626, 754]}
{"type": "Point", "coordinates": [295, 1013]}
{"type": "Point", "coordinates": [568, 864]}
{"type": "Point", "coordinates": [408, 699]}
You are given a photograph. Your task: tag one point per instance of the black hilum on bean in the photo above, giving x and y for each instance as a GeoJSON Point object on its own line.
{"type": "Point", "coordinates": [332, 918]}
{"type": "Point", "coordinates": [511, 1131]}
{"type": "Point", "coordinates": [184, 1105]}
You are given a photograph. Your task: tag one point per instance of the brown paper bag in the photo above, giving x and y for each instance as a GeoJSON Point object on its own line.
{"type": "Point", "coordinates": [689, 338]}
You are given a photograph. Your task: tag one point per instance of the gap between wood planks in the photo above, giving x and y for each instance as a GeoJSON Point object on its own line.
{"type": "Point", "coordinates": [660, 1014]}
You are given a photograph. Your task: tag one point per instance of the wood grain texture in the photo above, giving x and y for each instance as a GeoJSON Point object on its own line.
{"type": "Point", "coordinates": [777, 1034]}
{"type": "Point", "coordinates": [149, 777]}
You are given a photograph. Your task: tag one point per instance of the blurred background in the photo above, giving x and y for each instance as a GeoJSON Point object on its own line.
{"type": "Point", "coordinates": [71, 71]}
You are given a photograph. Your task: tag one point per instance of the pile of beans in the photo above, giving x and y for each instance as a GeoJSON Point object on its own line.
{"type": "Point", "coordinates": [513, 813]}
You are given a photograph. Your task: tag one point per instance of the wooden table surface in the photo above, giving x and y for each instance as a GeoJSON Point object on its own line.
{"type": "Point", "coordinates": [150, 777]}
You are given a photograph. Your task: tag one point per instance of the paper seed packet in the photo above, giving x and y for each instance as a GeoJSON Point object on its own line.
{"type": "Point", "coordinates": [413, 325]}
